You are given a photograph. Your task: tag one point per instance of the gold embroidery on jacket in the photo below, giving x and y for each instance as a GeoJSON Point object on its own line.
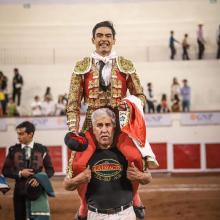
{"type": "Point", "coordinates": [125, 66]}
{"type": "Point", "coordinates": [96, 97]}
{"type": "Point", "coordinates": [83, 66]}
{"type": "Point", "coordinates": [69, 170]}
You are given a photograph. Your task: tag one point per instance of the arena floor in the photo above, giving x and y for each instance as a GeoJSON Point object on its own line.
{"type": "Point", "coordinates": [166, 198]}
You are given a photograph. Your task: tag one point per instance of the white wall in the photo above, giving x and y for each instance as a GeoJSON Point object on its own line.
{"type": "Point", "coordinates": [141, 27]}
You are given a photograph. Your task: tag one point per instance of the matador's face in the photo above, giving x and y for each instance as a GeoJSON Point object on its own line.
{"type": "Point", "coordinates": [103, 41]}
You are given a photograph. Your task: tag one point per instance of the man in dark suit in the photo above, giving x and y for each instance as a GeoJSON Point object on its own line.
{"type": "Point", "coordinates": [22, 162]}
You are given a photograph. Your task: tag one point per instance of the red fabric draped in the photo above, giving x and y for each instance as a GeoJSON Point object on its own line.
{"type": "Point", "coordinates": [136, 127]}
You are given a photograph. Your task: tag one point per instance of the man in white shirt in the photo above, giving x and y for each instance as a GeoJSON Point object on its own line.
{"type": "Point", "coordinates": [36, 107]}
{"type": "Point", "coordinates": [48, 106]}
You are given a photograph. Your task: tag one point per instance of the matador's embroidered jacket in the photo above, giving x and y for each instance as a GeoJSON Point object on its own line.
{"type": "Point", "coordinates": [85, 84]}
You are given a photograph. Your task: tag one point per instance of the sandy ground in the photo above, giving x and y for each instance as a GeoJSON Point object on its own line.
{"type": "Point", "coordinates": [166, 198]}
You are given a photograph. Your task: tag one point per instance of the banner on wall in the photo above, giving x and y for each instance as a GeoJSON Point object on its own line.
{"type": "Point", "coordinates": [200, 118]}
{"type": "Point", "coordinates": [48, 123]}
{"type": "Point", "coordinates": [155, 120]}
{"type": "Point", "coordinates": [3, 124]}
{"type": "Point", "coordinates": [45, 123]}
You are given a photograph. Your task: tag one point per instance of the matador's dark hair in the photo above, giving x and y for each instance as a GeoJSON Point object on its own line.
{"type": "Point", "coordinates": [108, 24]}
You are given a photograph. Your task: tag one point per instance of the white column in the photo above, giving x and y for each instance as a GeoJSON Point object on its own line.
{"type": "Point", "coordinates": [170, 165]}
{"type": "Point", "coordinates": [203, 156]}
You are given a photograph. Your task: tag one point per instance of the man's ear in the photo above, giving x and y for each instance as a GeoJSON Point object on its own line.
{"type": "Point", "coordinates": [93, 40]}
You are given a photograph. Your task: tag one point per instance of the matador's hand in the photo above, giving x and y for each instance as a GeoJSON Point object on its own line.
{"type": "Point", "coordinates": [73, 130]}
{"type": "Point", "coordinates": [122, 106]}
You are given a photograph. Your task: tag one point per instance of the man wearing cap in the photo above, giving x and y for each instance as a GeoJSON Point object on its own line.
{"type": "Point", "coordinates": [22, 162]}
{"type": "Point", "coordinates": [109, 178]}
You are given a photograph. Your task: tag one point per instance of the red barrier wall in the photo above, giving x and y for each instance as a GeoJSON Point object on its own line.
{"type": "Point", "coordinates": [2, 157]}
{"type": "Point", "coordinates": [212, 155]}
{"type": "Point", "coordinates": [56, 156]}
{"type": "Point", "coordinates": [186, 156]}
{"type": "Point", "coordinates": [160, 151]}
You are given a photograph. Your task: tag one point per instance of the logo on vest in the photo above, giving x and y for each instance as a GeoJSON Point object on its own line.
{"type": "Point", "coordinates": [107, 170]}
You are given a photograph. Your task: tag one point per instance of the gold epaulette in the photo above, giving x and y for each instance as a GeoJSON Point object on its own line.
{"type": "Point", "coordinates": [125, 66]}
{"type": "Point", "coordinates": [83, 66]}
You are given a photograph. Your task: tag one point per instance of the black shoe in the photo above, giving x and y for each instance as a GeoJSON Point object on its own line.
{"type": "Point", "coordinates": [78, 217]}
{"type": "Point", "coordinates": [139, 211]}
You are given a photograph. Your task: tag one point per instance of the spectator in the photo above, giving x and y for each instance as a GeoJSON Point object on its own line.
{"type": "Point", "coordinates": [185, 46]}
{"type": "Point", "coordinates": [48, 106]}
{"type": "Point", "coordinates": [172, 45]}
{"type": "Point", "coordinates": [36, 106]}
{"type": "Point", "coordinates": [185, 93]}
{"type": "Point", "coordinates": [150, 98]}
{"type": "Point", "coordinates": [200, 41]}
{"type": "Point", "coordinates": [3, 92]}
{"type": "Point", "coordinates": [60, 106]}
{"type": "Point", "coordinates": [12, 108]}
{"type": "Point", "coordinates": [17, 86]}
{"type": "Point", "coordinates": [175, 104]}
{"type": "Point", "coordinates": [48, 93]}
{"type": "Point", "coordinates": [175, 88]}
{"type": "Point", "coordinates": [163, 106]}
{"type": "Point", "coordinates": [218, 43]}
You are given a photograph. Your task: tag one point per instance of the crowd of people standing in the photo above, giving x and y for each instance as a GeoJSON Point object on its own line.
{"type": "Point", "coordinates": [180, 98]}
{"type": "Point", "coordinates": [201, 42]}
{"type": "Point", "coordinates": [10, 99]}
{"type": "Point", "coordinates": [9, 104]}
{"type": "Point", "coordinates": [46, 106]}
